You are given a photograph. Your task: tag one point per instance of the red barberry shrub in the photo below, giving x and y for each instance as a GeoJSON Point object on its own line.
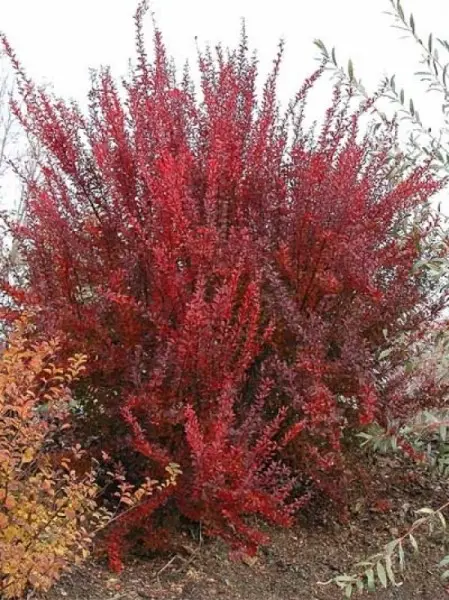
{"type": "Point", "coordinates": [341, 276]}
{"type": "Point", "coordinates": [229, 274]}
{"type": "Point", "coordinates": [193, 412]}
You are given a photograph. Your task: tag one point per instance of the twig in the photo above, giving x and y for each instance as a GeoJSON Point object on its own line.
{"type": "Point", "coordinates": [165, 567]}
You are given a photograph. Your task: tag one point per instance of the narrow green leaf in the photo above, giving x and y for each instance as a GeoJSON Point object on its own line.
{"type": "Point", "coordinates": [430, 43]}
{"type": "Point", "coordinates": [350, 70]}
{"type": "Point", "coordinates": [443, 43]}
{"type": "Point", "coordinates": [402, 96]}
{"type": "Point", "coordinates": [391, 546]}
{"type": "Point", "coordinates": [401, 556]}
{"type": "Point", "coordinates": [413, 543]}
{"type": "Point", "coordinates": [444, 562]}
{"type": "Point", "coordinates": [363, 435]}
{"type": "Point", "coordinates": [370, 579]}
{"type": "Point", "coordinates": [389, 569]}
{"type": "Point", "coordinates": [385, 353]}
{"type": "Point", "coordinates": [322, 47]}
{"type": "Point", "coordinates": [319, 43]}
{"type": "Point", "coordinates": [343, 579]}
{"type": "Point", "coordinates": [381, 573]}
{"type": "Point", "coordinates": [348, 590]}
{"type": "Point", "coordinates": [425, 511]}
{"type": "Point", "coordinates": [364, 563]}
{"type": "Point", "coordinates": [412, 23]}
{"type": "Point", "coordinates": [334, 56]}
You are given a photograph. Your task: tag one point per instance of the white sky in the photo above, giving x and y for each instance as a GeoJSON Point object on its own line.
{"type": "Point", "coordinates": [58, 40]}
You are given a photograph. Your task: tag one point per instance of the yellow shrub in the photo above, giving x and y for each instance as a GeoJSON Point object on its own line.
{"type": "Point", "coordinates": [46, 512]}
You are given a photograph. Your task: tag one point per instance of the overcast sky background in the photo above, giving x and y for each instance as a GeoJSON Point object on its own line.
{"type": "Point", "coordinates": [58, 41]}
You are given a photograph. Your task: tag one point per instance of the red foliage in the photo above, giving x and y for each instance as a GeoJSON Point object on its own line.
{"type": "Point", "coordinates": [228, 273]}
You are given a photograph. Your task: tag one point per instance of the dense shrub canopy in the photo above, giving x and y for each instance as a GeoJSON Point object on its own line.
{"type": "Point", "coordinates": [230, 275]}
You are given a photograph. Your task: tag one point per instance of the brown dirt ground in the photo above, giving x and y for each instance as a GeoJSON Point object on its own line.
{"type": "Point", "coordinates": [316, 549]}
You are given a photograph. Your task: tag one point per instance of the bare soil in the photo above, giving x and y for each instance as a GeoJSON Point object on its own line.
{"type": "Point", "coordinates": [316, 549]}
